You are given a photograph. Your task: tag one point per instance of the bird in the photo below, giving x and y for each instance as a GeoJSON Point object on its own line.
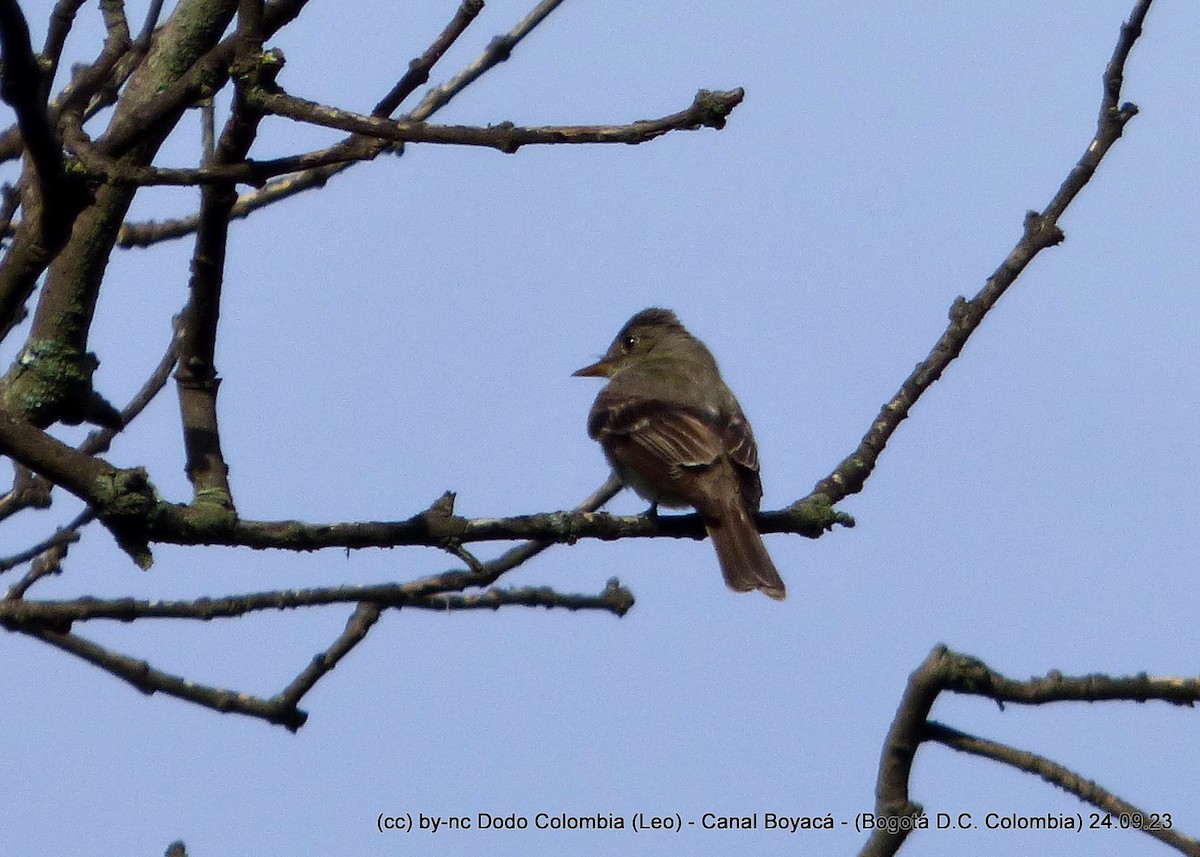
{"type": "Point", "coordinates": [674, 432]}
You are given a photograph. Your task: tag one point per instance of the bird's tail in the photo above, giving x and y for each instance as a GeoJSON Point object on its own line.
{"type": "Point", "coordinates": [744, 560]}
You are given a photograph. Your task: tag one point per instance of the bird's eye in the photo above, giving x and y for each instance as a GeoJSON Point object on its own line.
{"type": "Point", "coordinates": [628, 342]}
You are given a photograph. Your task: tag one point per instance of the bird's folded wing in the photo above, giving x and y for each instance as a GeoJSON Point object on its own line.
{"type": "Point", "coordinates": [676, 437]}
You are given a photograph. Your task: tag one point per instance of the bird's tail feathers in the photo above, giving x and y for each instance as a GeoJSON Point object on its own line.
{"type": "Point", "coordinates": [744, 560]}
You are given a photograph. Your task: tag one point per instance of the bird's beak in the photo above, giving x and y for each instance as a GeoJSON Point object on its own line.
{"type": "Point", "coordinates": [599, 369]}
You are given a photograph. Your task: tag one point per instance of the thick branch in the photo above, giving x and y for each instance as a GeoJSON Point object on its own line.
{"type": "Point", "coordinates": [35, 490]}
{"type": "Point", "coordinates": [899, 750]}
{"type": "Point", "coordinates": [47, 206]}
{"type": "Point", "coordinates": [122, 498]}
{"type": "Point", "coordinates": [944, 670]}
{"type": "Point", "coordinates": [65, 309]}
{"type": "Point", "coordinates": [171, 524]}
{"type": "Point", "coordinates": [22, 86]}
{"type": "Point", "coordinates": [79, 473]}
{"type": "Point", "coordinates": [207, 73]}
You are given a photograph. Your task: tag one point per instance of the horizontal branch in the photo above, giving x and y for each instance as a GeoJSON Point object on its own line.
{"type": "Point", "coordinates": [973, 677]}
{"type": "Point", "coordinates": [185, 525]}
{"type": "Point", "coordinates": [708, 110]}
{"type": "Point", "coordinates": [151, 232]}
{"type": "Point", "coordinates": [49, 622]}
{"type": "Point", "coordinates": [249, 171]}
{"type": "Point", "coordinates": [615, 599]}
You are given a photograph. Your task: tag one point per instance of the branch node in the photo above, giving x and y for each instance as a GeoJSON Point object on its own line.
{"type": "Point", "coordinates": [714, 107]}
{"type": "Point", "coordinates": [501, 47]}
{"type": "Point", "coordinates": [52, 382]}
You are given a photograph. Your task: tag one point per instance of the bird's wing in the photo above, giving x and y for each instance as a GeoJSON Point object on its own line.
{"type": "Point", "coordinates": [743, 451]}
{"type": "Point", "coordinates": [739, 441]}
{"type": "Point", "coordinates": [677, 437]}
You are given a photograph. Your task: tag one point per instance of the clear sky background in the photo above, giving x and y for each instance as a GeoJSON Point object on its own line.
{"type": "Point", "coordinates": [412, 328]}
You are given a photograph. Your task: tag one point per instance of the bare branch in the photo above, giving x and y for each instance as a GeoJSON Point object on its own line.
{"type": "Point", "coordinates": [169, 524]}
{"type": "Point", "coordinates": [1065, 779]}
{"type": "Point", "coordinates": [15, 609]}
{"type": "Point", "coordinates": [149, 680]}
{"type": "Point", "coordinates": [61, 21]}
{"type": "Point", "coordinates": [708, 110]}
{"type": "Point", "coordinates": [122, 498]}
{"type": "Point", "coordinates": [615, 598]}
{"type": "Point", "coordinates": [151, 21]}
{"type": "Point", "coordinates": [246, 171]}
{"type": "Point", "coordinates": [1041, 231]}
{"type": "Point", "coordinates": [146, 234]}
{"type": "Point", "coordinates": [100, 440]}
{"type": "Point", "coordinates": [68, 535]}
{"type": "Point", "coordinates": [51, 621]}
{"type": "Point", "coordinates": [196, 374]}
{"type": "Point", "coordinates": [46, 620]}
{"type": "Point", "coordinates": [30, 490]}
{"type": "Point", "coordinates": [899, 749]}
{"type": "Point", "coordinates": [46, 565]}
{"type": "Point", "coordinates": [418, 69]}
{"type": "Point", "coordinates": [357, 626]}
{"type": "Point", "coordinates": [249, 31]}
{"type": "Point", "coordinates": [944, 670]}
{"type": "Point", "coordinates": [256, 172]}
{"type": "Point", "coordinates": [89, 80]}
{"type": "Point", "coordinates": [22, 85]}
{"type": "Point", "coordinates": [500, 48]}
{"type": "Point", "coordinates": [207, 73]}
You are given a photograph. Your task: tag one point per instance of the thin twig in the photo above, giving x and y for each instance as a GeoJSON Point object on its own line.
{"type": "Point", "coordinates": [499, 50]}
{"type": "Point", "coordinates": [1067, 780]}
{"type": "Point", "coordinates": [418, 69]}
{"type": "Point", "coordinates": [150, 680]}
{"type": "Point", "coordinates": [357, 626]}
{"type": "Point", "coordinates": [151, 21]}
{"type": "Point", "coordinates": [418, 594]}
{"type": "Point", "coordinates": [708, 110]}
{"type": "Point", "coordinates": [1041, 231]}
{"type": "Point", "coordinates": [145, 234]}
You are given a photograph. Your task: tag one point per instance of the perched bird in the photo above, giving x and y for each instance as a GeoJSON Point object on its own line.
{"type": "Point", "coordinates": [674, 433]}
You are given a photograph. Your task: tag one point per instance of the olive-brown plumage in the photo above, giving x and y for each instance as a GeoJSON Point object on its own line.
{"type": "Point", "coordinates": [675, 433]}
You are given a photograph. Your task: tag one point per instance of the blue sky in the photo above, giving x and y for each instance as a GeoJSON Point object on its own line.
{"type": "Point", "coordinates": [412, 329]}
